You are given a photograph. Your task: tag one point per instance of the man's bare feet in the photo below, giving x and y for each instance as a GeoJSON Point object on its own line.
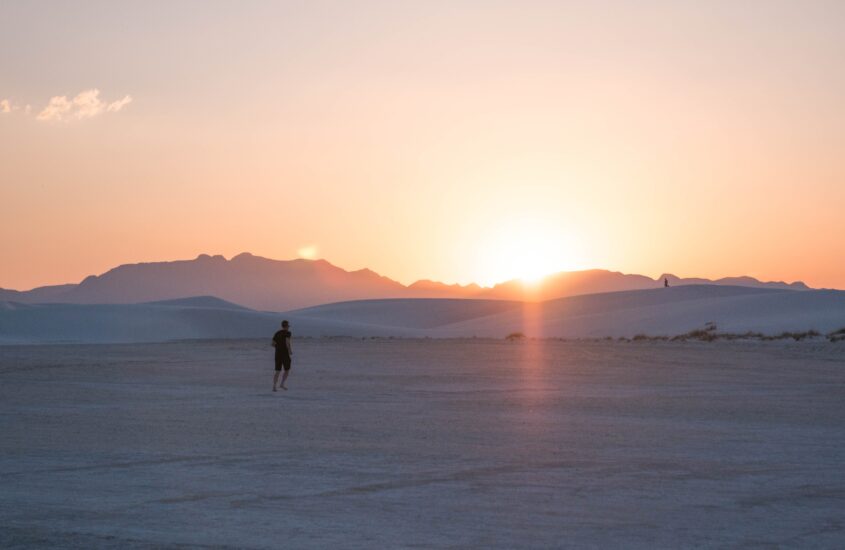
{"type": "Point", "coordinates": [274, 388]}
{"type": "Point", "coordinates": [284, 388]}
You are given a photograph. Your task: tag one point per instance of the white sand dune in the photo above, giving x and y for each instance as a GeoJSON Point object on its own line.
{"type": "Point", "coordinates": [156, 322]}
{"type": "Point", "coordinates": [656, 312]}
{"type": "Point", "coordinates": [419, 313]}
{"type": "Point", "coordinates": [664, 311]}
{"type": "Point", "coordinates": [26, 323]}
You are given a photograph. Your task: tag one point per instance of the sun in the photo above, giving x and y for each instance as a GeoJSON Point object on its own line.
{"type": "Point", "coordinates": [308, 252]}
{"type": "Point", "coordinates": [527, 251]}
{"type": "Point", "coordinates": [528, 261]}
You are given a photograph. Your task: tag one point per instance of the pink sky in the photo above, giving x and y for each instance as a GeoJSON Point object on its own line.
{"type": "Point", "coordinates": [456, 141]}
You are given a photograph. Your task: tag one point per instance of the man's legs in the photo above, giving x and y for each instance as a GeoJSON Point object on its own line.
{"type": "Point", "coordinates": [276, 380]}
{"type": "Point", "coordinates": [284, 377]}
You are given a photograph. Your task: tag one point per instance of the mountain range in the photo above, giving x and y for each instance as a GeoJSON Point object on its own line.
{"type": "Point", "coordinates": [281, 285]}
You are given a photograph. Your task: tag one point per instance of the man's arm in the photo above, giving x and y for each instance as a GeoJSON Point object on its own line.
{"type": "Point", "coordinates": [287, 342]}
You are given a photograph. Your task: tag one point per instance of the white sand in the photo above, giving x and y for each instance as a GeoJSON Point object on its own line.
{"type": "Point", "coordinates": [656, 312]}
{"type": "Point", "coordinates": [432, 443]}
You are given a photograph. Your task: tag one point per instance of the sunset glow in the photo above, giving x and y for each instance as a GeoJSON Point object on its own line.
{"type": "Point", "coordinates": [308, 252]}
{"type": "Point", "coordinates": [458, 141]}
{"type": "Point", "coordinates": [527, 250]}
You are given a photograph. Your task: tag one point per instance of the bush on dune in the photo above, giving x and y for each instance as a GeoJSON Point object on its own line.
{"type": "Point", "coordinates": [706, 334]}
{"type": "Point", "coordinates": [703, 335]}
{"type": "Point", "coordinates": [647, 338]}
{"type": "Point", "coordinates": [710, 334]}
{"type": "Point", "coordinates": [837, 335]}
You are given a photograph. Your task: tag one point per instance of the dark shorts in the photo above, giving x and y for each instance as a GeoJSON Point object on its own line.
{"type": "Point", "coordinates": [282, 360]}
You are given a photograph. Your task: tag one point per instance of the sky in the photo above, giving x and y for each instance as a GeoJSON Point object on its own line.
{"type": "Point", "coordinates": [454, 140]}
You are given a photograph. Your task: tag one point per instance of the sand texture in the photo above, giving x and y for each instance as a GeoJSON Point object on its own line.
{"type": "Point", "coordinates": [424, 443]}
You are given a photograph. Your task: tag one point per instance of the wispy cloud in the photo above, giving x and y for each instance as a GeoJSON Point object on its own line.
{"type": "Point", "coordinates": [115, 106]}
{"type": "Point", "coordinates": [86, 104]}
{"type": "Point", "coordinates": [58, 107]}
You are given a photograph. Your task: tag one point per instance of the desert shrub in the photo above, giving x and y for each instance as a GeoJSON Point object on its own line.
{"type": "Point", "coordinates": [797, 336]}
{"type": "Point", "coordinates": [515, 336]}
{"type": "Point", "coordinates": [648, 338]}
{"type": "Point", "coordinates": [837, 335]}
{"type": "Point", "coordinates": [707, 334]}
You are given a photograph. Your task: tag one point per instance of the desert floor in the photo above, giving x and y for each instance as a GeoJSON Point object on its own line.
{"type": "Point", "coordinates": [391, 443]}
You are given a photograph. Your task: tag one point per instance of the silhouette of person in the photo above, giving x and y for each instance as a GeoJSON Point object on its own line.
{"type": "Point", "coordinates": [281, 341]}
{"type": "Point", "coordinates": [665, 282]}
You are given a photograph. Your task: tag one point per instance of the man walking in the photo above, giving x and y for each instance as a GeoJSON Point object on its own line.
{"type": "Point", "coordinates": [281, 341]}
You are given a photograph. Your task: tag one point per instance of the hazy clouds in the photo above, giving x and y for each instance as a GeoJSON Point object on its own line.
{"type": "Point", "coordinates": [86, 104]}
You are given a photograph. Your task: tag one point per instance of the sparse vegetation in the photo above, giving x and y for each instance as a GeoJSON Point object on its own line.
{"type": "Point", "coordinates": [699, 334]}
{"type": "Point", "coordinates": [797, 336]}
{"type": "Point", "coordinates": [837, 335]}
{"type": "Point", "coordinates": [706, 334]}
{"type": "Point", "coordinates": [647, 338]}
{"type": "Point", "coordinates": [710, 334]}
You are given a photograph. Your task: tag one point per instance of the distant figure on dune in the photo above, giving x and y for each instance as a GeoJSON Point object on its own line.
{"type": "Point", "coordinates": [281, 341]}
{"type": "Point", "coordinates": [665, 282]}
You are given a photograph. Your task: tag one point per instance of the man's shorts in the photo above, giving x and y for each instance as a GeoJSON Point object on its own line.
{"type": "Point", "coordinates": [282, 360]}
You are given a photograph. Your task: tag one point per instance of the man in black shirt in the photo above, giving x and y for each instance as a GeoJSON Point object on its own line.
{"type": "Point", "coordinates": [281, 341]}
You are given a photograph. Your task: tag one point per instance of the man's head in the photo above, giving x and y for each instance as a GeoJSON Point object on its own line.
{"type": "Point", "coordinates": [285, 324]}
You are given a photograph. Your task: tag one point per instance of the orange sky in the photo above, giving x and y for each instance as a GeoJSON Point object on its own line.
{"type": "Point", "coordinates": [456, 141]}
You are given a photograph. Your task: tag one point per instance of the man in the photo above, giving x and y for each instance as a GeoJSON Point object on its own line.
{"type": "Point", "coordinates": [281, 341]}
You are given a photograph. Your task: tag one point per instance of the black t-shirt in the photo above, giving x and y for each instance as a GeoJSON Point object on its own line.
{"type": "Point", "coordinates": [281, 342]}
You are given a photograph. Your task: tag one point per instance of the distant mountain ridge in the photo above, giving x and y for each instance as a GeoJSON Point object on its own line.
{"type": "Point", "coordinates": [280, 285]}
{"type": "Point", "coordinates": [733, 281]}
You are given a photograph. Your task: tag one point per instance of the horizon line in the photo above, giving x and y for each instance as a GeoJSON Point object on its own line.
{"type": "Point", "coordinates": [532, 283]}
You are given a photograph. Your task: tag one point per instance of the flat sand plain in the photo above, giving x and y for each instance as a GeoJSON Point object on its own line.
{"type": "Point", "coordinates": [424, 443]}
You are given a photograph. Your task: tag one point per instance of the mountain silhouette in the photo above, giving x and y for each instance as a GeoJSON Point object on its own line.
{"type": "Point", "coordinates": [279, 285]}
